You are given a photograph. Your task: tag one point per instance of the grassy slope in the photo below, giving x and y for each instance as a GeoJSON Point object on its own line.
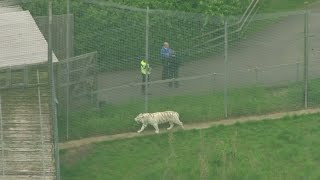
{"type": "Point", "coordinates": [117, 119]}
{"type": "Point", "coordinates": [192, 108]}
{"type": "Point", "coordinates": [284, 149]}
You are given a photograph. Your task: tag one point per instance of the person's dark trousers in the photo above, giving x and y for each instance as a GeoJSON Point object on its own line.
{"type": "Point", "coordinates": [165, 69]}
{"type": "Point", "coordinates": [143, 86]}
{"type": "Point", "coordinates": [173, 73]}
{"type": "Point", "coordinates": [170, 74]}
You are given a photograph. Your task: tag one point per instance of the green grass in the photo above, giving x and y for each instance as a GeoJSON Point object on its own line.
{"type": "Point", "coordinates": [195, 108]}
{"type": "Point", "coordinates": [192, 108]}
{"type": "Point", "coordinates": [283, 149]}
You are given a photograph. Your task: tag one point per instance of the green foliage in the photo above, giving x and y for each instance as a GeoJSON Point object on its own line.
{"type": "Point", "coordinates": [216, 7]}
{"type": "Point", "coordinates": [117, 33]}
{"type": "Point", "coordinates": [282, 149]}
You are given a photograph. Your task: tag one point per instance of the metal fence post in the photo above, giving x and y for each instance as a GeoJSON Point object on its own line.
{"type": "Point", "coordinates": [68, 68]}
{"type": "Point", "coordinates": [9, 77]}
{"type": "Point", "coordinates": [67, 99]}
{"type": "Point", "coordinates": [298, 70]}
{"type": "Point", "coordinates": [41, 124]}
{"type": "Point", "coordinates": [25, 75]}
{"type": "Point", "coordinates": [213, 79]}
{"type": "Point", "coordinates": [68, 31]}
{"type": "Point", "coordinates": [226, 69]}
{"type": "Point", "coordinates": [147, 61]}
{"type": "Point", "coordinates": [2, 142]}
{"type": "Point", "coordinates": [256, 70]}
{"type": "Point", "coordinates": [53, 96]}
{"type": "Point", "coordinates": [306, 57]}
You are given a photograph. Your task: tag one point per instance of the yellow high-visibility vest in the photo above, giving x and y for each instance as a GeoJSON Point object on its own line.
{"type": "Point", "coordinates": [145, 67]}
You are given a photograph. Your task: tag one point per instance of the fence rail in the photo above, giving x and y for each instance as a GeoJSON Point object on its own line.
{"type": "Point", "coordinates": [2, 142]}
{"type": "Point", "coordinates": [253, 62]}
{"type": "Point", "coordinates": [22, 76]}
{"type": "Point", "coordinates": [119, 45]}
{"type": "Point", "coordinates": [271, 65]}
{"type": "Point", "coordinates": [41, 127]}
{"type": "Point", "coordinates": [239, 25]}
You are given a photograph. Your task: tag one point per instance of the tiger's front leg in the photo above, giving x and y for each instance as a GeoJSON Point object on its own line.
{"type": "Point", "coordinates": [142, 128]}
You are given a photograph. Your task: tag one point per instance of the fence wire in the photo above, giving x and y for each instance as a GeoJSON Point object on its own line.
{"type": "Point", "coordinates": [100, 46]}
{"type": "Point", "coordinates": [249, 66]}
{"type": "Point", "coordinates": [223, 67]}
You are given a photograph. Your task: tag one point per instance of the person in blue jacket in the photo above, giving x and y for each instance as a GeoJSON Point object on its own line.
{"type": "Point", "coordinates": [169, 63]}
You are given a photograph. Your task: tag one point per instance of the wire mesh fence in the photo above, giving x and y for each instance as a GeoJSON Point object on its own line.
{"type": "Point", "coordinates": [206, 68]}
{"type": "Point", "coordinates": [224, 67]}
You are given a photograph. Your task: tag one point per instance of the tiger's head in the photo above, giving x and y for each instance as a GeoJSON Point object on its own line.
{"type": "Point", "coordinates": [139, 118]}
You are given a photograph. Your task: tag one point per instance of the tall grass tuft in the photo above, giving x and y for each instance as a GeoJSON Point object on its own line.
{"type": "Point", "coordinates": [203, 159]}
{"type": "Point", "coordinates": [171, 160]}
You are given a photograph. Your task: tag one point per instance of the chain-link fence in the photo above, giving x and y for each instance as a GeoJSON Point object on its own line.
{"type": "Point", "coordinates": [224, 67]}
{"type": "Point", "coordinates": [235, 66]}
{"type": "Point", "coordinates": [220, 67]}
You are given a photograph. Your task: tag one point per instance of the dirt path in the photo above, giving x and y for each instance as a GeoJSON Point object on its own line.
{"type": "Point", "coordinates": [274, 116]}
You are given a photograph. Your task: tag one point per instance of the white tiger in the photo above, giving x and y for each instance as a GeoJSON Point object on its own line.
{"type": "Point", "coordinates": [158, 118]}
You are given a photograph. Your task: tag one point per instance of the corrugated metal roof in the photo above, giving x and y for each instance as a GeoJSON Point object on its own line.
{"type": "Point", "coordinates": [21, 41]}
